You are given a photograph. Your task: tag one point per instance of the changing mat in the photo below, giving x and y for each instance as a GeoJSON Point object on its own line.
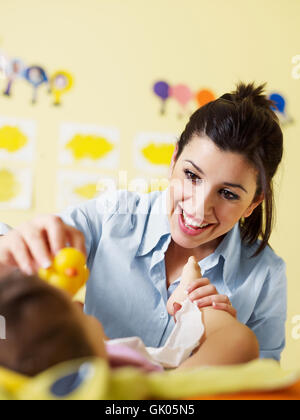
{"type": "Point", "coordinates": [92, 379]}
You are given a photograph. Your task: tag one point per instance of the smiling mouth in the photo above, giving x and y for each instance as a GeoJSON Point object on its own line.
{"type": "Point", "coordinates": [190, 227]}
{"type": "Point", "coordinates": [189, 222]}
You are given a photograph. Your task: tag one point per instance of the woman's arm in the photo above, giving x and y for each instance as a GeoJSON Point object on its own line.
{"type": "Point", "coordinates": [226, 342]}
{"type": "Point", "coordinates": [270, 312]}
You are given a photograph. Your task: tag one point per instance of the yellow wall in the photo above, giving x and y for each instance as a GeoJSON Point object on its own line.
{"type": "Point", "coordinates": [116, 49]}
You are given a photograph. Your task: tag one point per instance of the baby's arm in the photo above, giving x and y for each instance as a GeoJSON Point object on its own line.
{"type": "Point", "coordinates": [226, 341]}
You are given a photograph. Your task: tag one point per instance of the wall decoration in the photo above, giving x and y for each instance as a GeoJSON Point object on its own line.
{"type": "Point", "coordinates": [15, 188]}
{"type": "Point", "coordinates": [17, 139]}
{"type": "Point", "coordinates": [14, 70]}
{"type": "Point", "coordinates": [296, 67]}
{"type": "Point", "coordinates": [183, 95]}
{"type": "Point", "coordinates": [4, 64]}
{"type": "Point", "coordinates": [60, 83]}
{"type": "Point", "coordinates": [153, 151]}
{"type": "Point", "coordinates": [204, 96]}
{"type": "Point", "coordinates": [162, 90]}
{"type": "Point", "coordinates": [74, 187]}
{"type": "Point", "coordinates": [280, 108]}
{"type": "Point", "coordinates": [36, 76]}
{"type": "Point", "coordinates": [89, 145]}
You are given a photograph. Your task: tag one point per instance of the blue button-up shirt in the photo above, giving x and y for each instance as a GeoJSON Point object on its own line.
{"type": "Point", "coordinates": [127, 235]}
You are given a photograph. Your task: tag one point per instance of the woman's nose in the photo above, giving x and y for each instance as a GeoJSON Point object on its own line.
{"type": "Point", "coordinates": [204, 202]}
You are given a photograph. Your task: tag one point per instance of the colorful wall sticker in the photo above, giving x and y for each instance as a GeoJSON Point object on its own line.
{"type": "Point", "coordinates": [60, 83]}
{"type": "Point", "coordinates": [89, 145]}
{"type": "Point", "coordinates": [153, 151]}
{"type": "Point", "coordinates": [36, 76]}
{"type": "Point", "coordinates": [17, 139]}
{"type": "Point", "coordinates": [74, 187]}
{"type": "Point", "coordinates": [162, 90]}
{"type": "Point", "coordinates": [204, 96]}
{"type": "Point", "coordinates": [183, 95]}
{"type": "Point", "coordinates": [14, 70]}
{"type": "Point", "coordinates": [280, 108]}
{"type": "Point", "coordinates": [296, 67]}
{"type": "Point", "coordinates": [15, 188]}
{"type": "Point", "coordinates": [4, 64]}
{"type": "Point", "coordinates": [11, 69]}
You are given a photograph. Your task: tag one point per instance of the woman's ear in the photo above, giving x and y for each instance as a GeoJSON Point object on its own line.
{"type": "Point", "coordinates": [173, 160]}
{"type": "Point", "coordinates": [253, 205]}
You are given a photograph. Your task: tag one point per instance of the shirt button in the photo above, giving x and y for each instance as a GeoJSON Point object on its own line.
{"type": "Point", "coordinates": [163, 315]}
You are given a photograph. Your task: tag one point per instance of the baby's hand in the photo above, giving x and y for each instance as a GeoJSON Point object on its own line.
{"type": "Point", "coordinates": [204, 294]}
{"type": "Point", "coordinates": [190, 272]}
{"type": "Point", "coordinates": [199, 290]}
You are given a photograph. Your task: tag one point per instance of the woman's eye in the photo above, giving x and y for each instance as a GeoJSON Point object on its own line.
{"type": "Point", "coordinates": [229, 195]}
{"type": "Point", "coordinates": [192, 176]}
{"type": "Point", "coordinates": [195, 178]}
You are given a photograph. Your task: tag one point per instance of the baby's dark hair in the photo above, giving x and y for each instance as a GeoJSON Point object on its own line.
{"type": "Point", "coordinates": [243, 122]}
{"type": "Point", "coordinates": [40, 329]}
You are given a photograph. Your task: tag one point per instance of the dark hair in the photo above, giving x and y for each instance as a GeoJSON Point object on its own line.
{"type": "Point", "coordinates": [243, 122]}
{"type": "Point", "coordinates": [40, 329]}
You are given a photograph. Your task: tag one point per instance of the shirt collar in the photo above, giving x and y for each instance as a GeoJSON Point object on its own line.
{"type": "Point", "coordinates": [157, 224]}
{"type": "Point", "coordinates": [230, 250]}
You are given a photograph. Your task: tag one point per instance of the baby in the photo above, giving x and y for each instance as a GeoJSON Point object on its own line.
{"type": "Point", "coordinates": [44, 327]}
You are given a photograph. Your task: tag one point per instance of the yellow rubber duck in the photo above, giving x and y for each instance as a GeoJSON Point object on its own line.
{"type": "Point", "coordinates": [68, 271]}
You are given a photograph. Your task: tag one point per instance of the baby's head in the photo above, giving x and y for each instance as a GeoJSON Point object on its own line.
{"type": "Point", "coordinates": [43, 326]}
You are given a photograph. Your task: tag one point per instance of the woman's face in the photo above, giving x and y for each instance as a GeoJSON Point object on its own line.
{"type": "Point", "coordinates": [208, 186]}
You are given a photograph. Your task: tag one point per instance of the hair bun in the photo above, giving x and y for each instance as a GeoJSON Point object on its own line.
{"type": "Point", "coordinates": [249, 95]}
{"type": "Point", "coordinates": [252, 93]}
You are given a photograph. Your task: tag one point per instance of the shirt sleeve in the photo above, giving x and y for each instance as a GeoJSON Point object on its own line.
{"type": "Point", "coordinates": [270, 313]}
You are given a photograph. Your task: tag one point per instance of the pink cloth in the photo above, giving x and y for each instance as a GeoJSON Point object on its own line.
{"type": "Point", "coordinates": [120, 356]}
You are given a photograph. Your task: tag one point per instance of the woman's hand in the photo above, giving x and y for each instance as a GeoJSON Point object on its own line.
{"type": "Point", "coordinates": [35, 243]}
{"type": "Point", "coordinates": [204, 294]}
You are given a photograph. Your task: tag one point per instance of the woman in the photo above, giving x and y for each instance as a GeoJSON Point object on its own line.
{"type": "Point", "coordinates": [220, 176]}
